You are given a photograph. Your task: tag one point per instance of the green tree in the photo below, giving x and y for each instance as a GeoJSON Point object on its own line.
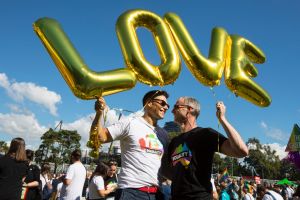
{"type": "Point", "coordinates": [57, 146]}
{"type": "Point", "coordinates": [233, 165]}
{"type": "Point", "coordinates": [262, 160]}
{"type": "Point", "coordinates": [3, 147]}
{"type": "Point", "coordinates": [289, 170]}
{"type": "Point", "coordinates": [218, 163]}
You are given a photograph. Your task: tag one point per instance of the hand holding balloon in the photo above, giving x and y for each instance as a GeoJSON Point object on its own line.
{"type": "Point", "coordinates": [100, 104]}
{"type": "Point", "coordinates": [221, 109]}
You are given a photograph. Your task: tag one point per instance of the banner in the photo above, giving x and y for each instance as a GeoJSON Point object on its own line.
{"type": "Point", "coordinates": [294, 141]}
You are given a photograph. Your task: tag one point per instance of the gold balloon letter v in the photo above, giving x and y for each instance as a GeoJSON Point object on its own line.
{"type": "Point", "coordinates": [84, 83]}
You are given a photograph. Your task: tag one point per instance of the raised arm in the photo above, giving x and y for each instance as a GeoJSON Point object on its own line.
{"type": "Point", "coordinates": [234, 146]}
{"type": "Point", "coordinates": [103, 133]}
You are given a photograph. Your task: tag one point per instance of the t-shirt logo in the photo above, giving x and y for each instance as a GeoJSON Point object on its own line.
{"type": "Point", "coordinates": [182, 154]}
{"type": "Point", "coordinates": [151, 144]}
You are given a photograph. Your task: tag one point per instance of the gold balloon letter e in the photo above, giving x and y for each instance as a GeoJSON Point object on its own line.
{"type": "Point", "coordinates": [241, 68]}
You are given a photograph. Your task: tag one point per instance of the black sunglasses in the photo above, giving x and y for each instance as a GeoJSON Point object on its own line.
{"type": "Point", "coordinates": [161, 102]}
{"type": "Point", "coordinates": [181, 106]}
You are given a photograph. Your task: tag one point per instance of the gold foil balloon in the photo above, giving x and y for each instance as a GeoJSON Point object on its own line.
{"type": "Point", "coordinates": [206, 70]}
{"type": "Point", "coordinates": [83, 82]}
{"type": "Point", "coordinates": [167, 72]}
{"type": "Point", "coordinates": [94, 143]}
{"type": "Point", "coordinates": [238, 74]}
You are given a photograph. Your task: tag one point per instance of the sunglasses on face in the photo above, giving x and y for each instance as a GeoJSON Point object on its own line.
{"type": "Point", "coordinates": [176, 106]}
{"type": "Point", "coordinates": [161, 102]}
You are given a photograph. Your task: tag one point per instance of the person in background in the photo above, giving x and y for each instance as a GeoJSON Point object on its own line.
{"type": "Point", "coordinates": [96, 184]}
{"type": "Point", "coordinates": [86, 184]}
{"type": "Point", "coordinates": [214, 192]}
{"type": "Point", "coordinates": [265, 193]}
{"type": "Point", "coordinates": [224, 194]}
{"type": "Point", "coordinates": [74, 180]}
{"type": "Point", "coordinates": [111, 179]}
{"type": "Point", "coordinates": [233, 189]}
{"type": "Point", "coordinates": [290, 192]}
{"type": "Point", "coordinates": [32, 181]}
{"type": "Point", "coordinates": [13, 170]}
{"type": "Point", "coordinates": [248, 191]}
{"type": "Point", "coordinates": [46, 181]}
{"type": "Point", "coordinates": [165, 188]}
{"type": "Point", "coordinates": [296, 195]}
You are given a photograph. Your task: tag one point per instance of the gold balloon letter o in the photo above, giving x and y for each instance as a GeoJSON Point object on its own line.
{"type": "Point", "coordinates": [168, 71]}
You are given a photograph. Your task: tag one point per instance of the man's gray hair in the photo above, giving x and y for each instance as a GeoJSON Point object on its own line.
{"type": "Point", "coordinates": [192, 102]}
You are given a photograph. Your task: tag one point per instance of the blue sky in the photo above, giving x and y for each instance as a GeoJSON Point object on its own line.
{"type": "Point", "coordinates": [34, 96]}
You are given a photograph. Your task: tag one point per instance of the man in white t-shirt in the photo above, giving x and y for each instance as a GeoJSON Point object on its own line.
{"type": "Point", "coordinates": [74, 180]}
{"type": "Point", "coordinates": [142, 146]}
{"type": "Point", "coordinates": [264, 193]}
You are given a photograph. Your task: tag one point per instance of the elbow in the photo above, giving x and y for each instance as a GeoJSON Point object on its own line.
{"type": "Point", "coordinates": [102, 193]}
{"type": "Point", "coordinates": [243, 152]}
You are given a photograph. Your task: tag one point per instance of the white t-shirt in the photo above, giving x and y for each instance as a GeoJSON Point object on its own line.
{"type": "Point", "coordinates": [76, 173]}
{"type": "Point", "coordinates": [97, 183]}
{"type": "Point", "coordinates": [212, 181]}
{"type": "Point", "coordinates": [290, 192]}
{"type": "Point", "coordinates": [58, 190]}
{"type": "Point", "coordinates": [141, 152]}
{"type": "Point", "coordinates": [248, 196]}
{"type": "Point", "coordinates": [44, 179]}
{"type": "Point", "coordinates": [275, 195]}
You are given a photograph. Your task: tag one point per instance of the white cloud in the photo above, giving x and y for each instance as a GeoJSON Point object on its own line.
{"type": "Point", "coordinates": [274, 133]}
{"type": "Point", "coordinates": [27, 90]}
{"type": "Point", "coordinates": [22, 125]}
{"type": "Point", "coordinates": [264, 125]}
{"type": "Point", "coordinates": [280, 150]}
{"type": "Point", "coordinates": [82, 125]}
{"type": "Point", "coordinates": [18, 109]}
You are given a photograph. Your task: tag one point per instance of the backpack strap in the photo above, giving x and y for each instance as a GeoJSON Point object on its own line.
{"type": "Point", "coordinates": [269, 193]}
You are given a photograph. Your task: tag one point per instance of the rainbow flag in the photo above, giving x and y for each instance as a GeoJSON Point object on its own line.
{"type": "Point", "coordinates": [224, 176]}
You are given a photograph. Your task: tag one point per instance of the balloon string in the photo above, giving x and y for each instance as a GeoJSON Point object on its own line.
{"type": "Point", "coordinates": [216, 99]}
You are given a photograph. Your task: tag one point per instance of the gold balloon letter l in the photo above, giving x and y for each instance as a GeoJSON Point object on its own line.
{"type": "Point", "coordinates": [83, 82]}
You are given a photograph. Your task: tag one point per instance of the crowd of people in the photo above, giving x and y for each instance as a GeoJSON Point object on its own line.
{"type": "Point", "coordinates": [235, 189]}
{"type": "Point", "coordinates": [153, 167]}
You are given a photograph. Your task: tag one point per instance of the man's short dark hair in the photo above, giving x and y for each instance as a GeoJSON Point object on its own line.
{"type": "Point", "coordinates": [152, 94]}
{"type": "Point", "coordinates": [76, 154]}
{"type": "Point", "coordinates": [261, 188]}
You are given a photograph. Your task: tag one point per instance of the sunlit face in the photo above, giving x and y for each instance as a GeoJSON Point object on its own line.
{"type": "Point", "coordinates": [158, 107]}
{"type": "Point", "coordinates": [112, 170]}
{"type": "Point", "coordinates": [180, 111]}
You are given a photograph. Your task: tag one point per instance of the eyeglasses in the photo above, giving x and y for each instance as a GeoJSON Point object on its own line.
{"type": "Point", "coordinates": [161, 102]}
{"type": "Point", "coordinates": [176, 106]}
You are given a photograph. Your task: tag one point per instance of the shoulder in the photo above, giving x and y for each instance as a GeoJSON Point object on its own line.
{"type": "Point", "coordinates": [97, 179]}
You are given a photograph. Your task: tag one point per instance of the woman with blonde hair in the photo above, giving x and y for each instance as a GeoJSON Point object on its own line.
{"type": "Point", "coordinates": [13, 170]}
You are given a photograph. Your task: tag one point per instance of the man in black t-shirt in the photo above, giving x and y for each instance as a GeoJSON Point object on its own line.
{"type": "Point", "coordinates": [191, 153]}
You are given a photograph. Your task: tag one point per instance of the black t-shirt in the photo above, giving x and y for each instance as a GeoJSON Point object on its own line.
{"type": "Point", "coordinates": [11, 174]}
{"type": "Point", "coordinates": [33, 193]}
{"type": "Point", "coordinates": [191, 156]}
